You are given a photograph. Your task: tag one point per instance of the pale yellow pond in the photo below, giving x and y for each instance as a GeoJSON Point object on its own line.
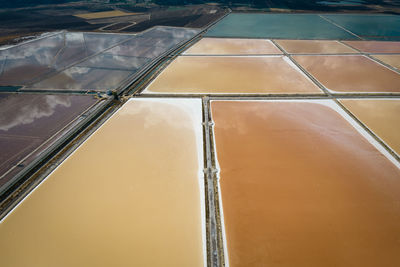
{"type": "Point", "coordinates": [382, 116]}
{"type": "Point", "coordinates": [129, 196]}
{"type": "Point", "coordinates": [232, 46]}
{"type": "Point", "coordinates": [233, 75]}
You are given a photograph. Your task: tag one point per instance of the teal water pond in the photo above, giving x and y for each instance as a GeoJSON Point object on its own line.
{"type": "Point", "coordinates": [280, 26]}
{"type": "Point", "coordinates": [370, 27]}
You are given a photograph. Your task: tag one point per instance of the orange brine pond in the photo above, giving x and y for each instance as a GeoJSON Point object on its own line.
{"type": "Point", "coordinates": [232, 75]}
{"type": "Point", "coordinates": [392, 60]}
{"type": "Point", "coordinates": [351, 73]}
{"type": "Point", "coordinates": [301, 186]}
{"type": "Point", "coordinates": [130, 195]}
{"type": "Point", "coordinates": [314, 47]}
{"type": "Point", "coordinates": [232, 46]}
{"type": "Point", "coordinates": [382, 116]}
{"type": "Point", "coordinates": [375, 46]}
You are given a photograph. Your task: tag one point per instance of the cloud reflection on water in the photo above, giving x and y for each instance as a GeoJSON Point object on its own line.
{"type": "Point", "coordinates": [29, 109]}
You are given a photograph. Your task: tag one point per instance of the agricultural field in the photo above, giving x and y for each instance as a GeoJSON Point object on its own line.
{"type": "Point", "coordinates": [104, 14]}
{"type": "Point", "coordinates": [92, 16]}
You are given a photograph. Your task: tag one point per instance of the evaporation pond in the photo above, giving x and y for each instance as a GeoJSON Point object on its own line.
{"type": "Point", "coordinates": [351, 73]}
{"type": "Point", "coordinates": [392, 60]}
{"type": "Point", "coordinates": [382, 116]}
{"type": "Point", "coordinates": [232, 46]}
{"type": "Point", "coordinates": [301, 187]}
{"type": "Point", "coordinates": [282, 26]}
{"type": "Point", "coordinates": [232, 75]}
{"type": "Point", "coordinates": [372, 27]}
{"type": "Point", "coordinates": [130, 195]}
{"type": "Point", "coordinates": [314, 47]}
{"type": "Point", "coordinates": [28, 122]}
{"type": "Point", "coordinates": [375, 46]}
